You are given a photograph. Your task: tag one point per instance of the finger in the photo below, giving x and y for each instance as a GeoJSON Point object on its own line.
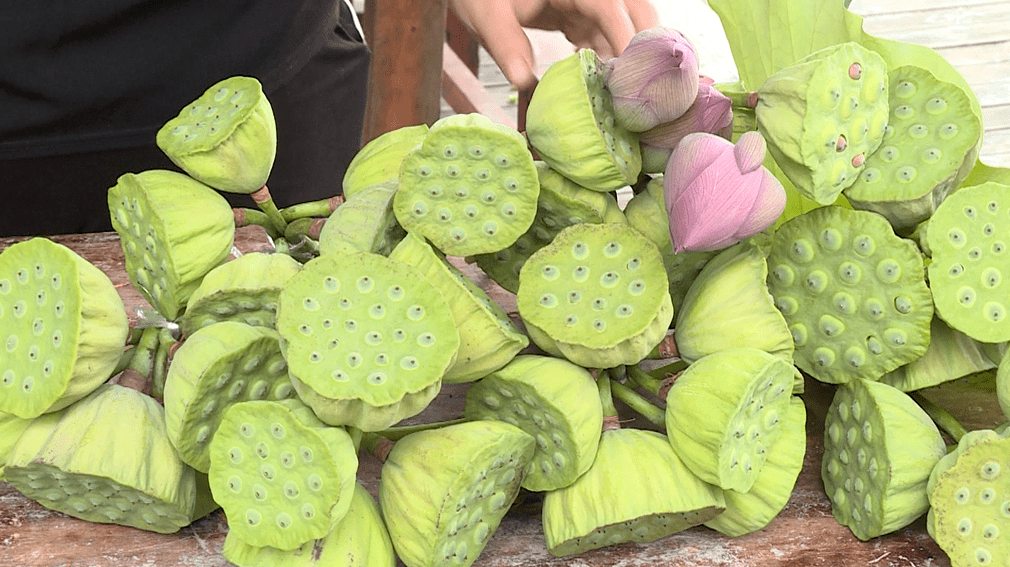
{"type": "Point", "coordinates": [643, 14]}
{"type": "Point", "coordinates": [614, 22]}
{"type": "Point", "coordinates": [501, 34]}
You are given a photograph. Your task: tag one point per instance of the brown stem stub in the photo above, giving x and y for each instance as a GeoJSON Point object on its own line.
{"type": "Point", "coordinates": [134, 380]}
{"type": "Point", "coordinates": [382, 449]}
{"type": "Point", "coordinates": [261, 195]}
{"type": "Point", "coordinates": [752, 100]}
{"type": "Point", "coordinates": [667, 348]}
{"type": "Point", "coordinates": [666, 384]}
{"type": "Point", "coordinates": [316, 228]}
{"type": "Point", "coordinates": [240, 219]}
{"type": "Point", "coordinates": [611, 422]}
{"type": "Point", "coordinates": [335, 201]}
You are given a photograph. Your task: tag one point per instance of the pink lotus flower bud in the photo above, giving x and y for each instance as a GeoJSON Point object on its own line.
{"type": "Point", "coordinates": [718, 193]}
{"type": "Point", "coordinates": [654, 80]}
{"type": "Point", "coordinates": [711, 112]}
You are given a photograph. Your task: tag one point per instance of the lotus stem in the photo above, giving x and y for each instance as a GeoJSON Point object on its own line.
{"type": "Point", "coordinates": [941, 417]}
{"type": "Point", "coordinates": [400, 431]}
{"type": "Point", "coordinates": [320, 208]}
{"type": "Point", "coordinates": [265, 202]}
{"type": "Point", "coordinates": [166, 344]}
{"type": "Point", "coordinates": [639, 404]}
{"type": "Point", "coordinates": [645, 381]}
{"type": "Point", "coordinates": [306, 226]}
{"type": "Point", "coordinates": [376, 444]}
{"type": "Point", "coordinates": [606, 396]}
{"type": "Point", "coordinates": [248, 217]}
{"type": "Point", "coordinates": [667, 348]}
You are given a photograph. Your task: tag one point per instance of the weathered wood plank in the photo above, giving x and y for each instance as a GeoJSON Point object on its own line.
{"type": "Point", "coordinates": [948, 24]}
{"type": "Point", "coordinates": [873, 7]}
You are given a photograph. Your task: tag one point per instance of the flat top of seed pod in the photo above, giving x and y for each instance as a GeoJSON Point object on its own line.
{"type": "Point", "coordinates": [211, 119]}
{"type": "Point", "coordinates": [853, 293]}
{"type": "Point", "coordinates": [366, 327]}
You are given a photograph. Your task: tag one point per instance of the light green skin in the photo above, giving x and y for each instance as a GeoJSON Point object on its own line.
{"type": "Point", "coordinates": [596, 295]}
{"type": "Point", "coordinates": [227, 138]}
{"type": "Point", "coordinates": [931, 142]}
{"type": "Point", "coordinates": [584, 142]}
{"type": "Point", "coordinates": [364, 223]}
{"type": "Point", "coordinates": [879, 449]}
{"type": "Point", "coordinates": [724, 413]}
{"type": "Point", "coordinates": [173, 230]}
{"type": "Point", "coordinates": [966, 236]}
{"type": "Point", "coordinates": [83, 462]}
{"type": "Point", "coordinates": [470, 188]}
{"type": "Point", "coordinates": [64, 327]}
{"type": "Point", "coordinates": [853, 293]}
{"type": "Point", "coordinates": [951, 355]}
{"type": "Point", "coordinates": [283, 477]}
{"type": "Point", "coordinates": [1003, 385]}
{"type": "Point", "coordinates": [216, 367]}
{"type": "Point", "coordinates": [11, 428]}
{"type": "Point", "coordinates": [378, 161]}
{"type": "Point", "coordinates": [804, 108]}
{"type": "Point", "coordinates": [367, 339]}
{"type": "Point", "coordinates": [488, 339]}
{"type": "Point", "coordinates": [445, 491]}
{"type": "Point", "coordinates": [244, 289]}
{"type": "Point", "coordinates": [649, 494]}
{"type": "Point", "coordinates": [554, 401]}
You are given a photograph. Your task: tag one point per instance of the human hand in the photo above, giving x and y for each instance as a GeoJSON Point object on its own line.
{"type": "Point", "coordinates": [606, 26]}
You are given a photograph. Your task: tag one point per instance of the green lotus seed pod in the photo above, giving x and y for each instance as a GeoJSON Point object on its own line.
{"type": "Point", "coordinates": [283, 477]}
{"type": "Point", "coordinates": [554, 401]}
{"type": "Point", "coordinates": [445, 491]}
{"type": "Point", "coordinates": [205, 503]}
{"type": "Point", "coordinates": [584, 143]}
{"type": "Point", "coordinates": [378, 161]}
{"type": "Point", "coordinates": [64, 327]}
{"type": "Point", "coordinates": [367, 339]}
{"type": "Point", "coordinates": [360, 539]}
{"type": "Point", "coordinates": [750, 511]}
{"type": "Point", "coordinates": [244, 289]}
{"type": "Point", "coordinates": [951, 355]}
{"type": "Point", "coordinates": [226, 138]}
{"type": "Point", "coordinates": [637, 490]}
{"type": "Point", "coordinates": [470, 187]}
{"type": "Point", "coordinates": [11, 428]}
{"type": "Point", "coordinates": [488, 339]}
{"type": "Point", "coordinates": [853, 293]}
{"type": "Point", "coordinates": [879, 448]}
{"type": "Point", "coordinates": [597, 295]}
{"type": "Point", "coordinates": [216, 367]}
{"type": "Point", "coordinates": [173, 230]}
{"type": "Point", "coordinates": [83, 462]}
{"type": "Point", "coordinates": [823, 115]}
{"type": "Point", "coordinates": [562, 203]}
{"type": "Point", "coordinates": [966, 235]}
{"type": "Point", "coordinates": [363, 223]}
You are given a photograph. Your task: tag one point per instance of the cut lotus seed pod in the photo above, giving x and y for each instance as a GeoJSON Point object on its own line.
{"type": "Point", "coordinates": [11, 428]}
{"type": "Point", "coordinates": [64, 327]}
{"type": "Point", "coordinates": [562, 203]}
{"type": "Point", "coordinates": [378, 161]}
{"type": "Point", "coordinates": [821, 120]}
{"type": "Point", "coordinates": [283, 477]}
{"type": "Point", "coordinates": [445, 491]}
{"type": "Point", "coordinates": [227, 138]}
{"type": "Point", "coordinates": [488, 339]}
{"type": "Point", "coordinates": [83, 462]}
{"type": "Point", "coordinates": [750, 511]}
{"type": "Point", "coordinates": [367, 339]}
{"type": "Point", "coordinates": [597, 295]}
{"type": "Point", "coordinates": [951, 355]}
{"type": "Point", "coordinates": [584, 143]}
{"type": "Point", "coordinates": [724, 412]}
{"type": "Point", "coordinates": [173, 230]}
{"type": "Point", "coordinates": [244, 289]}
{"type": "Point", "coordinates": [363, 223]}
{"type": "Point", "coordinates": [216, 367]}
{"type": "Point", "coordinates": [853, 293]}
{"type": "Point", "coordinates": [359, 540]}
{"type": "Point", "coordinates": [931, 142]}
{"type": "Point", "coordinates": [553, 400]}
{"type": "Point", "coordinates": [967, 236]}
{"type": "Point", "coordinates": [649, 492]}
{"type": "Point", "coordinates": [470, 188]}
{"type": "Point", "coordinates": [879, 448]}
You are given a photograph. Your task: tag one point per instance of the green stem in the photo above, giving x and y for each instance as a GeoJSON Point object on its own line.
{"type": "Point", "coordinates": [255, 217]}
{"type": "Point", "coordinates": [166, 341]}
{"type": "Point", "coordinates": [300, 228]}
{"type": "Point", "coordinates": [399, 432]}
{"type": "Point", "coordinates": [142, 360]}
{"type": "Point", "coordinates": [265, 202]}
{"type": "Point", "coordinates": [376, 444]}
{"type": "Point", "coordinates": [941, 417]}
{"type": "Point", "coordinates": [644, 380]}
{"type": "Point", "coordinates": [606, 396]}
{"type": "Point", "coordinates": [639, 404]}
{"type": "Point", "coordinates": [320, 208]}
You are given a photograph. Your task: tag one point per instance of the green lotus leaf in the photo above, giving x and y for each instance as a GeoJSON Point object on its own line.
{"type": "Point", "coordinates": [378, 161]}
{"type": "Point", "coordinates": [363, 223]}
{"type": "Point", "coordinates": [951, 355]}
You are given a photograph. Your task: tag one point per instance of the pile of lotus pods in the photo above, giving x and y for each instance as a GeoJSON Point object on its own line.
{"type": "Point", "coordinates": [825, 217]}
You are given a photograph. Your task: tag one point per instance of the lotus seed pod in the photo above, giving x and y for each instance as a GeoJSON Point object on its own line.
{"type": "Point", "coordinates": [750, 511]}
{"type": "Point", "coordinates": [283, 477]}
{"type": "Point", "coordinates": [11, 428]}
{"type": "Point", "coordinates": [649, 494]}
{"type": "Point", "coordinates": [205, 503]}
{"type": "Point", "coordinates": [562, 203]}
{"type": "Point", "coordinates": [879, 448]}
{"type": "Point", "coordinates": [363, 223]}
{"type": "Point", "coordinates": [64, 327]}
{"type": "Point", "coordinates": [216, 367]}
{"type": "Point", "coordinates": [488, 339]}
{"type": "Point", "coordinates": [83, 462]}
{"type": "Point", "coordinates": [711, 112]}
{"type": "Point", "coordinates": [823, 115]}
{"type": "Point", "coordinates": [378, 161]}
{"type": "Point", "coordinates": [951, 355]}
{"type": "Point", "coordinates": [173, 230]}
{"type": "Point", "coordinates": [244, 289]}
{"type": "Point", "coordinates": [445, 491]}
{"type": "Point", "coordinates": [470, 187]}
{"type": "Point", "coordinates": [360, 539]}
{"type": "Point", "coordinates": [966, 235]}
{"type": "Point", "coordinates": [554, 401]}
{"type": "Point", "coordinates": [723, 414]}
{"type": "Point", "coordinates": [226, 138]}
{"type": "Point", "coordinates": [367, 339]}
{"type": "Point", "coordinates": [597, 295]}
{"type": "Point", "coordinates": [853, 293]}
{"type": "Point", "coordinates": [585, 143]}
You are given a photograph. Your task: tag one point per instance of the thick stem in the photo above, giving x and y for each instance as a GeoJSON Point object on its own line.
{"type": "Point", "coordinates": [376, 444]}
{"type": "Point", "coordinates": [265, 202]}
{"type": "Point", "coordinates": [941, 417]}
{"type": "Point", "coordinates": [311, 227]}
{"type": "Point", "coordinates": [247, 217]}
{"type": "Point", "coordinates": [399, 432]}
{"type": "Point", "coordinates": [606, 397]}
{"type": "Point", "coordinates": [642, 379]}
{"type": "Point", "coordinates": [166, 344]}
{"type": "Point", "coordinates": [320, 208]}
{"type": "Point", "coordinates": [639, 404]}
